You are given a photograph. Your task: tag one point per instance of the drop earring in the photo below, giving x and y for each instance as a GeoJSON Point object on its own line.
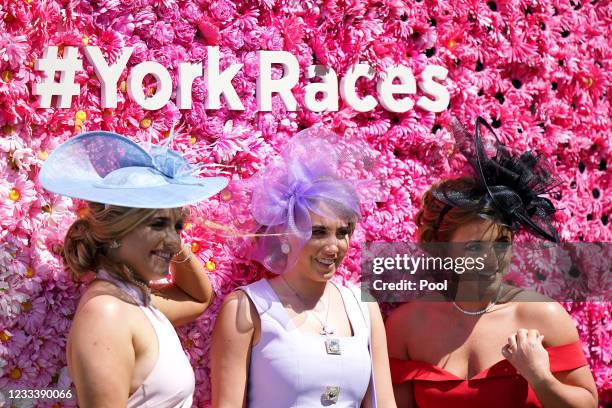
{"type": "Point", "coordinates": [285, 248]}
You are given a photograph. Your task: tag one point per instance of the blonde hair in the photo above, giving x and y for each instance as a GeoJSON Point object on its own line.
{"type": "Point", "coordinates": [89, 238]}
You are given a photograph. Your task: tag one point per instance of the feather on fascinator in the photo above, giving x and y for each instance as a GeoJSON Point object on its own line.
{"type": "Point", "coordinates": [508, 184]}
{"type": "Point", "coordinates": [316, 173]}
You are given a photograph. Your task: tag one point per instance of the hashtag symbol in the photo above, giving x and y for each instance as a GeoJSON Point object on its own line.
{"type": "Point", "coordinates": [66, 88]}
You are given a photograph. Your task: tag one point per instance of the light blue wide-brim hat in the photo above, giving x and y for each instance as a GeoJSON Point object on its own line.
{"type": "Point", "coordinates": [108, 168]}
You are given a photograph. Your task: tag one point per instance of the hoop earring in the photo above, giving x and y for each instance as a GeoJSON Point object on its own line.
{"type": "Point", "coordinates": [114, 244]}
{"type": "Point", "coordinates": [285, 248]}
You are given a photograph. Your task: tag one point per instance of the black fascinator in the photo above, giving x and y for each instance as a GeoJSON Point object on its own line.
{"type": "Point", "coordinates": [509, 185]}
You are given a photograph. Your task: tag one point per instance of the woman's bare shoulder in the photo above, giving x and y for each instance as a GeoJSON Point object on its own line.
{"type": "Point", "coordinates": [104, 295]}
{"type": "Point", "coordinates": [540, 312]}
{"type": "Point", "coordinates": [102, 323]}
{"type": "Point", "coordinates": [417, 310]}
{"type": "Point", "coordinates": [238, 307]}
{"type": "Point", "coordinates": [102, 305]}
{"type": "Point", "coordinates": [409, 322]}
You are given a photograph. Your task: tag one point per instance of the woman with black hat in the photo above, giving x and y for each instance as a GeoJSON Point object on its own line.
{"type": "Point", "coordinates": [486, 343]}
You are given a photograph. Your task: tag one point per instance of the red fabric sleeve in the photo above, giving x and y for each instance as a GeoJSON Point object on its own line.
{"type": "Point", "coordinates": [566, 357]}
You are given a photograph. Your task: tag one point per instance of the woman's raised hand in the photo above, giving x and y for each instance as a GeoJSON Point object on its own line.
{"type": "Point", "coordinates": [526, 353]}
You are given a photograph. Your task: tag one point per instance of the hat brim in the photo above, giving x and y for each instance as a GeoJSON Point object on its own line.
{"type": "Point", "coordinates": [164, 196]}
{"type": "Point", "coordinates": [77, 167]}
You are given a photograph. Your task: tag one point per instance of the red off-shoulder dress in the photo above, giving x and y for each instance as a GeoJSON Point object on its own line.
{"type": "Point", "coordinates": [498, 386]}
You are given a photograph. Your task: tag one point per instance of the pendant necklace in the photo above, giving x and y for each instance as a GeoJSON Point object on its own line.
{"type": "Point", "coordinates": [332, 345]}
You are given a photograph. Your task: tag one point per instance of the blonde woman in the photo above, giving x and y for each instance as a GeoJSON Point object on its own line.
{"type": "Point", "coordinates": [122, 349]}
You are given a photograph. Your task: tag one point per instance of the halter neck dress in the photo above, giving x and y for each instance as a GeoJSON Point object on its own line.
{"type": "Point", "coordinates": [171, 382]}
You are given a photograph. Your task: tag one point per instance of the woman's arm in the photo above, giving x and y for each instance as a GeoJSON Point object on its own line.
{"type": "Point", "coordinates": [380, 361]}
{"type": "Point", "coordinates": [189, 275]}
{"type": "Point", "coordinates": [190, 293]}
{"type": "Point", "coordinates": [101, 356]}
{"type": "Point", "coordinates": [567, 389]}
{"type": "Point", "coordinates": [232, 338]}
{"type": "Point", "coordinates": [525, 350]}
{"type": "Point", "coordinates": [396, 325]}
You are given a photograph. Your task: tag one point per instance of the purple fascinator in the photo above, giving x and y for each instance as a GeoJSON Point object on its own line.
{"type": "Point", "coordinates": [317, 172]}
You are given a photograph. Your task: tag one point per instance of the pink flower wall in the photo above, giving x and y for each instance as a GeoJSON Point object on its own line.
{"type": "Point", "coordinates": [539, 71]}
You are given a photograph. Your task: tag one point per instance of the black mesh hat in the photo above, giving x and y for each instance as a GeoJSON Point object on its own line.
{"type": "Point", "coordinates": [508, 185]}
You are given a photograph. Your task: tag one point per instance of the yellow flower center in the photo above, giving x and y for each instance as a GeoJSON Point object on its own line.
{"type": "Point", "coordinates": [80, 115]}
{"type": "Point", "coordinates": [145, 123]}
{"type": "Point", "coordinates": [210, 265]}
{"type": "Point", "coordinates": [187, 226]}
{"type": "Point", "coordinates": [589, 82]}
{"type": "Point", "coordinates": [14, 194]}
{"type": "Point", "coordinates": [123, 86]}
{"type": "Point", "coordinates": [7, 76]}
{"type": "Point", "coordinates": [452, 43]}
{"type": "Point", "coordinates": [195, 247]}
{"type": "Point", "coordinates": [15, 374]}
{"type": "Point", "coordinates": [85, 40]}
{"type": "Point", "coordinates": [192, 140]}
{"type": "Point", "coordinates": [8, 129]}
{"type": "Point", "coordinates": [226, 195]}
{"type": "Point", "coordinates": [4, 337]}
{"type": "Point", "coordinates": [188, 343]}
{"type": "Point", "coordinates": [29, 272]}
{"type": "Point", "coordinates": [42, 155]}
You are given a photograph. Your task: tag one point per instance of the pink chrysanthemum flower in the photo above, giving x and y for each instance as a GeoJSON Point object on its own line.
{"type": "Point", "coordinates": [16, 196]}
{"type": "Point", "coordinates": [13, 49]}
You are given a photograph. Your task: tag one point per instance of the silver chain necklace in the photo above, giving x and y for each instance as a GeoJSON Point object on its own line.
{"type": "Point", "coordinates": [332, 345]}
{"type": "Point", "coordinates": [325, 329]}
{"type": "Point", "coordinates": [482, 311]}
